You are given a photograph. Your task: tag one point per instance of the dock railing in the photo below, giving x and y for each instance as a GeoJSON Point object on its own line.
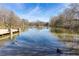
{"type": "Point", "coordinates": [10, 31]}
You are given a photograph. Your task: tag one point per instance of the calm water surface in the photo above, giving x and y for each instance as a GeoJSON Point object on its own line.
{"type": "Point", "coordinates": [32, 42]}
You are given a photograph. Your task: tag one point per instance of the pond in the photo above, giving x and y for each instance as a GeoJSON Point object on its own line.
{"type": "Point", "coordinates": [33, 42]}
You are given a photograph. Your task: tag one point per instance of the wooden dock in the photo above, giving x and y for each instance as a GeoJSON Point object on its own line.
{"type": "Point", "coordinates": [5, 31]}
{"type": "Point", "coordinates": [9, 31]}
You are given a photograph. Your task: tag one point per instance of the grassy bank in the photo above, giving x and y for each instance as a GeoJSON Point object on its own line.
{"type": "Point", "coordinates": [64, 30]}
{"type": "Point", "coordinates": [65, 34]}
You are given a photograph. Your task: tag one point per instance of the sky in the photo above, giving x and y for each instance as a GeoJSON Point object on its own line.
{"type": "Point", "coordinates": [35, 11]}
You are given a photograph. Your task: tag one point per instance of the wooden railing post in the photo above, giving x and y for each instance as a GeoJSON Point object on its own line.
{"type": "Point", "coordinates": [19, 30]}
{"type": "Point", "coordinates": [10, 32]}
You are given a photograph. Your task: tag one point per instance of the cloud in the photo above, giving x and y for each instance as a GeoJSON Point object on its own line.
{"type": "Point", "coordinates": [35, 13]}
{"type": "Point", "coordinates": [19, 6]}
{"type": "Point", "coordinates": [57, 10]}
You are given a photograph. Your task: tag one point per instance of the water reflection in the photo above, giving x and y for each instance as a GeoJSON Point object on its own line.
{"type": "Point", "coordinates": [70, 40]}
{"type": "Point", "coordinates": [33, 42]}
{"type": "Point", "coordinates": [4, 39]}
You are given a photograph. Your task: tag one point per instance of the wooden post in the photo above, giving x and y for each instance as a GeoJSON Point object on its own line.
{"type": "Point", "coordinates": [11, 33]}
{"type": "Point", "coordinates": [19, 30]}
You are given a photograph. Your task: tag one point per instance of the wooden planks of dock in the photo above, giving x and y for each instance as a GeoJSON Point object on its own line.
{"type": "Point", "coordinates": [9, 31]}
{"type": "Point", "coordinates": [5, 31]}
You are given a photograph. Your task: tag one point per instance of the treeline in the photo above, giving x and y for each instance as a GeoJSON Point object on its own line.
{"type": "Point", "coordinates": [8, 19]}
{"type": "Point", "coordinates": [38, 23]}
{"type": "Point", "coordinates": [68, 19]}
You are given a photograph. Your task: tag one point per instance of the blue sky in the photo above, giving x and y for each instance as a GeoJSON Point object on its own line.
{"type": "Point", "coordinates": [35, 11]}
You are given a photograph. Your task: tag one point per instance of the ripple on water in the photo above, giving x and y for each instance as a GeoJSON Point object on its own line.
{"type": "Point", "coordinates": [33, 42]}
